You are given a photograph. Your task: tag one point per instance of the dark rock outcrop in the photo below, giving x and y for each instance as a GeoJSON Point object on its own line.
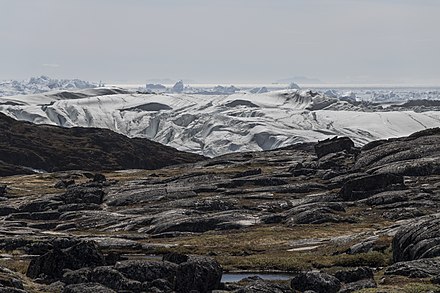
{"type": "Point", "coordinates": [176, 258]}
{"type": "Point", "coordinates": [147, 271]}
{"type": "Point", "coordinates": [196, 222]}
{"type": "Point", "coordinates": [316, 281]}
{"type": "Point", "coordinates": [387, 197]}
{"type": "Point", "coordinates": [50, 266]}
{"type": "Point", "coordinates": [77, 277]}
{"type": "Point", "coordinates": [316, 213]}
{"type": "Point", "coordinates": [421, 268]}
{"type": "Point", "coordinates": [262, 286]}
{"type": "Point", "coordinates": [353, 275]}
{"type": "Point", "coordinates": [82, 194]}
{"type": "Point", "coordinates": [363, 187]}
{"type": "Point", "coordinates": [334, 145]}
{"type": "Point", "coordinates": [113, 279]}
{"type": "Point", "coordinates": [54, 148]}
{"type": "Point", "coordinates": [358, 285]}
{"type": "Point", "coordinates": [6, 210]}
{"type": "Point", "coordinates": [104, 275]}
{"type": "Point", "coordinates": [415, 155]}
{"type": "Point", "coordinates": [202, 274]}
{"type": "Point", "coordinates": [87, 288]}
{"type": "Point", "coordinates": [416, 240]}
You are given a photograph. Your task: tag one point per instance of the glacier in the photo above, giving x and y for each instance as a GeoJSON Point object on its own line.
{"type": "Point", "coordinates": [213, 125]}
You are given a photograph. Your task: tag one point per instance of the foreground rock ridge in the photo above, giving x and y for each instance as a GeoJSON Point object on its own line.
{"type": "Point", "coordinates": [320, 217]}
{"type": "Point", "coordinates": [25, 146]}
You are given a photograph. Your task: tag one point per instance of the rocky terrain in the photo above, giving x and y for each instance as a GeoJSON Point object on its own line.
{"type": "Point", "coordinates": [324, 217]}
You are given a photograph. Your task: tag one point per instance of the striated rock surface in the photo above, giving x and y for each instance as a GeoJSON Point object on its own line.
{"type": "Point", "coordinates": [421, 268]}
{"type": "Point", "coordinates": [418, 239]}
{"type": "Point", "coordinates": [415, 155]}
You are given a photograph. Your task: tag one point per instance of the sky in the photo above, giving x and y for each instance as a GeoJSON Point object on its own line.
{"type": "Point", "coordinates": [209, 41]}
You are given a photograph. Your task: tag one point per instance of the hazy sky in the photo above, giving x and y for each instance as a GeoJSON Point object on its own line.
{"type": "Point", "coordinates": [363, 41]}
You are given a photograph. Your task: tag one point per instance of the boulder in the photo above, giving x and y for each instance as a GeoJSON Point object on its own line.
{"type": "Point", "coordinates": [82, 194]}
{"type": "Point", "coordinates": [262, 286]}
{"type": "Point", "coordinates": [55, 287]}
{"type": "Point", "coordinates": [334, 145]}
{"type": "Point", "coordinates": [77, 276]}
{"type": "Point", "coordinates": [176, 258]}
{"type": "Point", "coordinates": [161, 285]}
{"type": "Point", "coordinates": [113, 279]}
{"type": "Point", "coordinates": [202, 274]}
{"type": "Point", "coordinates": [316, 281]}
{"type": "Point", "coordinates": [355, 274]}
{"type": "Point", "coordinates": [87, 288]}
{"type": "Point", "coordinates": [147, 271]}
{"type": "Point", "coordinates": [363, 187]}
{"type": "Point", "coordinates": [362, 247]}
{"type": "Point", "coordinates": [51, 265]}
{"type": "Point", "coordinates": [105, 275]}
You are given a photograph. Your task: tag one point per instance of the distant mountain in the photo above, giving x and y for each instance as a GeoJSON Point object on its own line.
{"type": "Point", "coordinates": [25, 146]}
{"type": "Point", "coordinates": [300, 80]}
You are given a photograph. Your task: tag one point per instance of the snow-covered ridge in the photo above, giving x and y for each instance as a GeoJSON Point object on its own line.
{"type": "Point", "coordinates": [41, 84]}
{"type": "Point", "coordinates": [218, 124]}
